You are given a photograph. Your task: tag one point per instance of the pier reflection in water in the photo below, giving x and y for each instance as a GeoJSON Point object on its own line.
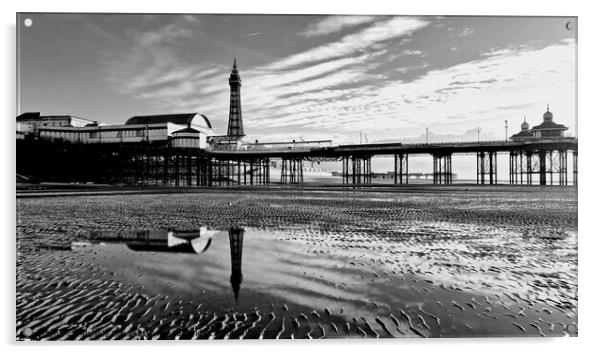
{"type": "Point", "coordinates": [194, 241]}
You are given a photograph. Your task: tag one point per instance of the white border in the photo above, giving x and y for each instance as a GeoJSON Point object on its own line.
{"type": "Point", "coordinates": [589, 161]}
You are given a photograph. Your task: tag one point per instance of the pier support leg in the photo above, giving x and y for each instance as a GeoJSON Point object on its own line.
{"type": "Point", "coordinates": [198, 170]}
{"type": "Point", "coordinates": [553, 167]}
{"type": "Point", "coordinates": [492, 167]}
{"type": "Point", "coordinates": [267, 171]}
{"type": "Point", "coordinates": [362, 172]}
{"type": "Point", "coordinates": [166, 158]}
{"type": "Point", "coordinates": [284, 172]}
{"type": "Point", "coordinates": [345, 170]}
{"type": "Point", "coordinates": [542, 167]}
{"type": "Point", "coordinates": [210, 164]}
{"type": "Point", "coordinates": [575, 167]}
{"type": "Point", "coordinates": [481, 167]}
{"type": "Point", "coordinates": [177, 170]}
{"type": "Point", "coordinates": [396, 168]}
{"type": "Point", "coordinates": [518, 171]}
{"type": "Point", "coordinates": [189, 171]}
{"type": "Point", "coordinates": [292, 171]}
{"type": "Point", "coordinates": [442, 169]}
{"type": "Point", "coordinates": [561, 168]}
{"type": "Point", "coordinates": [228, 172]}
{"type": "Point", "coordinates": [513, 168]}
{"type": "Point", "coordinates": [401, 169]}
{"type": "Point", "coordinates": [259, 173]}
{"type": "Point", "coordinates": [486, 167]}
{"type": "Point", "coordinates": [251, 171]}
{"type": "Point", "coordinates": [530, 170]}
{"type": "Point", "coordinates": [359, 171]}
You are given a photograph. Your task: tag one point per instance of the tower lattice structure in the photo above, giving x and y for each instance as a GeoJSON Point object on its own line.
{"type": "Point", "coordinates": [235, 127]}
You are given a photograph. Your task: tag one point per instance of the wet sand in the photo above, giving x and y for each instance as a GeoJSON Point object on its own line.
{"type": "Point", "coordinates": [311, 263]}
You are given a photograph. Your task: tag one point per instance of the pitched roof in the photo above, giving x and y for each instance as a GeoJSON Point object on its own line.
{"type": "Point", "coordinates": [549, 125]}
{"type": "Point", "coordinates": [183, 119]}
{"type": "Point", "coordinates": [37, 116]}
{"type": "Point", "coordinates": [28, 116]}
{"type": "Point", "coordinates": [522, 133]}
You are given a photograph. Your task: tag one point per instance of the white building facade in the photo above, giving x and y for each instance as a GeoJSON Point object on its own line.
{"type": "Point", "coordinates": [193, 130]}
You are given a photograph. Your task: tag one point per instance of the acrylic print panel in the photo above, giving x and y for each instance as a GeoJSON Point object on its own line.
{"type": "Point", "coordinates": [273, 176]}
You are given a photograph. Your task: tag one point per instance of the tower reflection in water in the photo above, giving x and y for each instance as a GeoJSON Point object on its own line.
{"type": "Point", "coordinates": [195, 241]}
{"type": "Point", "coordinates": [236, 235]}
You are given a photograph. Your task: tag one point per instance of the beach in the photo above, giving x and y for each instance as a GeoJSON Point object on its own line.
{"type": "Point", "coordinates": [312, 262]}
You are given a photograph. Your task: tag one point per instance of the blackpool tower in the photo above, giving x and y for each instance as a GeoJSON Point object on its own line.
{"type": "Point", "coordinates": [235, 128]}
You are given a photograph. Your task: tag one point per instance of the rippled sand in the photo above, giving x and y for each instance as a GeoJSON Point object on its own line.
{"type": "Point", "coordinates": [315, 264]}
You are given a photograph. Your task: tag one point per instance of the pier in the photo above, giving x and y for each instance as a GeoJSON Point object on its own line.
{"type": "Point", "coordinates": [542, 162]}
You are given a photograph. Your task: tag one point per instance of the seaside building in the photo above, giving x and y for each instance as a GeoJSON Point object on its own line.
{"type": "Point", "coordinates": [548, 129]}
{"type": "Point", "coordinates": [31, 122]}
{"type": "Point", "coordinates": [179, 130]}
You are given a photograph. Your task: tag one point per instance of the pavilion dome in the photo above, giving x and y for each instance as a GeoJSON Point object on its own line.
{"type": "Point", "coordinates": [195, 120]}
{"type": "Point", "coordinates": [547, 116]}
{"type": "Point", "coordinates": [524, 125]}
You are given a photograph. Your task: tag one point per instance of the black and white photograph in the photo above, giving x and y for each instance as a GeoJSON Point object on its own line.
{"type": "Point", "coordinates": [196, 176]}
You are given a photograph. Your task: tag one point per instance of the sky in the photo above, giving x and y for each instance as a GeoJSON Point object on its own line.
{"type": "Point", "coordinates": [381, 78]}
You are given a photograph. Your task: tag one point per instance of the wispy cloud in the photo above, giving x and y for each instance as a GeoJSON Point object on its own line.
{"type": "Point", "coordinates": [333, 24]}
{"type": "Point", "coordinates": [151, 59]}
{"type": "Point", "coordinates": [412, 52]}
{"type": "Point", "coordinates": [253, 34]}
{"type": "Point", "coordinates": [355, 42]}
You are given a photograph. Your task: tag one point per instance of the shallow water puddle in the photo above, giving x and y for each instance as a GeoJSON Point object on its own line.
{"type": "Point", "coordinates": [237, 267]}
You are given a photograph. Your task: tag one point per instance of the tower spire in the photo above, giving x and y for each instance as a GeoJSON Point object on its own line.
{"type": "Point", "coordinates": [235, 127]}
{"type": "Point", "coordinates": [524, 126]}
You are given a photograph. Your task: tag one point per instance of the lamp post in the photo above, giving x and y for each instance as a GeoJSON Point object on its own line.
{"type": "Point", "coordinates": [427, 136]}
{"type": "Point", "coordinates": [506, 125]}
{"type": "Point", "coordinates": [478, 135]}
